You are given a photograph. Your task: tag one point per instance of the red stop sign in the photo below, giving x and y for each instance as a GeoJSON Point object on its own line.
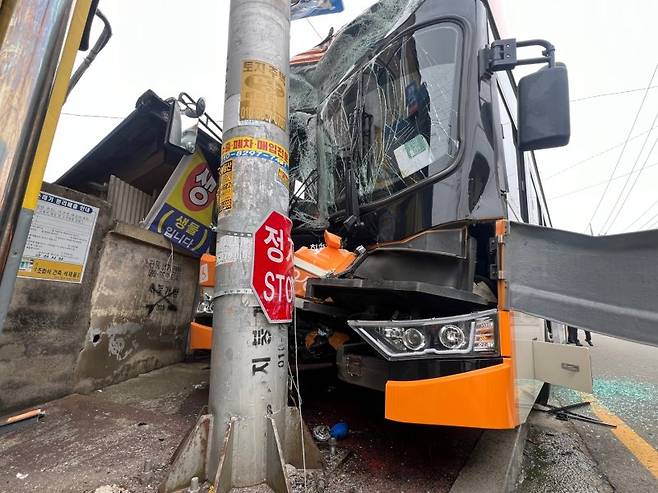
{"type": "Point", "coordinates": [272, 278]}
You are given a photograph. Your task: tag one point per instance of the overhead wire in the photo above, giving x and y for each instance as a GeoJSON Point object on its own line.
{"type": "Point", "coordinates": [314, 29]}
{"type": "Point", "coordinates": [630, 190]}
{"type": "Point", "coordinates": [84, 115]}
{"type": "Point", "coordinates": [615, 211]}
{"type": "Point", "coordinates": [650, 222]}
{"type": "Point", "coordinates": [602, 95]}
{"type": "Point", "coordinates": [593, 156]}
{"type": "Point", "coordinates": [596, 185]}
{"type": "Point", "coordinates": [641, 216]}
{"type": "Point", "coordinates": [630, 132]}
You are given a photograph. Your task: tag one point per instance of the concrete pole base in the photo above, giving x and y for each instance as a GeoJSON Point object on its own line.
{"type": "Point", "coordinates": [191, 458]}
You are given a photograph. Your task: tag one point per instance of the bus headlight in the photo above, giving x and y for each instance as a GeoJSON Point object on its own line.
{"type": "Point", "coordinates": [413, 339]}
{"type": "Point", "coordinates": [452, 336]}
{"type": "Point", "coordinates": [464, 335]}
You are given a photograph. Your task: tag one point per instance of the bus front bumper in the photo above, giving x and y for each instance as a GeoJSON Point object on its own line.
{"type": "Point", "coordinates": [482, 398]}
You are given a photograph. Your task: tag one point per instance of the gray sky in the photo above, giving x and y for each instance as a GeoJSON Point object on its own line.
{"type": "Point", "coordinates": [171, 46]}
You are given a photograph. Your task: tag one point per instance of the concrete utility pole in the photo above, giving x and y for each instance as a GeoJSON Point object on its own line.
{"type": "Point", "coordinates": [250, 355]}
{"type": "Point", "coordinates": [250, 432]}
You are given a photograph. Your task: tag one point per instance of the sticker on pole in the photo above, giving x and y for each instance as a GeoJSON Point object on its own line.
{"type": "Point", "coordinates": [272, 278]}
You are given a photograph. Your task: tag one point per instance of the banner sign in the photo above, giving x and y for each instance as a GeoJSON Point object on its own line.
{"type": "Point", "coordinates": [58, 242]}
{"type": "Point", "coordinates": [183, 212]}
{"type": "Point", "coordinates": [253, 147]}
{"type": "Point", "coordinates": [309, 8]}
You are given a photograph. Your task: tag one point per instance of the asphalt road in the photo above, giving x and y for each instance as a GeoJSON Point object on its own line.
{"type": "Point", "coordinates": [577, 456]}
{"type": "Point", "coordinates": [626, 383]}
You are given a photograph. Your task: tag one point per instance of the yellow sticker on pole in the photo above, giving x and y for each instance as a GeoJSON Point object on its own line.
{"type": "Point", "coordinates": [263, 93]}
{"type": "Point", "coordinates": [225, 195]}
{"type": "Point", "coordinates": [251, 147]}
{"type": "Point", "coordinates": [283, 177]}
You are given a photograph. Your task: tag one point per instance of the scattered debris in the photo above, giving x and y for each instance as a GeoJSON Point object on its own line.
{"type": "Point", "coordinates": [564, 413]}
{"type": "Point", "coordinates": [339, 430]}
{"type": "Point", "coordinates": [194, 485]}
{"type": "Point", "coordinates": [110, 488]}
{"type": "Point", "coordinates": [200, 386]}
{"type": "Point", "coordinates": [34, 413]}
{"type": "Point", "coordinates": [12, 422]}
{"type": "Point", "coordinates": [20, 475]}
{"type": "Point", "coordinates": [332, 446]}
{"type": "Point", "coordinates": [555, 409]}
{"type": "Point", "coordinates": [322, 433]}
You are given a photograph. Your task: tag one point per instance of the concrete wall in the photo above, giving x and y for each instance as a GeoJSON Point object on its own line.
{"type": "Point", "coordinates": [128, 316]}
{"type": "Point", "coordinates": [46, 322]}
{"type": "Point", "coordinates": [140, 308]}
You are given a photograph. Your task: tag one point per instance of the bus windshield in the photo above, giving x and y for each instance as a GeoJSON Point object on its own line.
{"type": "Point", "coordinates": [394, 122]}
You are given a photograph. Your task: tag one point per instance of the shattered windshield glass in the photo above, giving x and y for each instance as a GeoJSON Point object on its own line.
{"type": "Point", "coordinates": [394, 123]}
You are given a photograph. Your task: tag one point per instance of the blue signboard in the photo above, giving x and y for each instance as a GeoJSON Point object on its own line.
{"type": "Point", "coordinates": [309, 8]}
{"type": "Point", "coordinates": [182, 230]}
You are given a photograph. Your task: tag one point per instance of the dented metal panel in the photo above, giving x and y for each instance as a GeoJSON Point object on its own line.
{"type": "Point", "coordinates": [606, 284]}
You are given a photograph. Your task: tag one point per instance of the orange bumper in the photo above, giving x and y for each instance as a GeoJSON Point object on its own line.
{"type": "Point", "coordinates": [476, 399]}
{"type": "Point", "coordinates": [200, 337]}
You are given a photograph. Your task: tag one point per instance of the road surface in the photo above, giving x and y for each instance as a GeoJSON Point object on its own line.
{"type": "Point", "coordinates": [577, 456]}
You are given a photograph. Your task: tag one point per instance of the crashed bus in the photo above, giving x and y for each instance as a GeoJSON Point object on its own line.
{"type": "Point", "coordinates": [425, 264]}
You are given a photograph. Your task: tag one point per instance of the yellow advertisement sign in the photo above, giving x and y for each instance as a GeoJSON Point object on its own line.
{"type": "Point", "coordinates": [195, 188]}
{"type": "Point", "coordinates": [225, 196]}
{"type": "Point", "coordinates": [263, 93]}
{"type": "Point", "coordinates": [183, 212]}
{"type": "Point", "coordinates": [252, 147]}
{"type": "Point", "coordinates": [283, 177]}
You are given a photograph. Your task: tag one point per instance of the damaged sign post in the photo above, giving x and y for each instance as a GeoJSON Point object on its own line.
{"type": "Point", "coordinates": [250, 433]}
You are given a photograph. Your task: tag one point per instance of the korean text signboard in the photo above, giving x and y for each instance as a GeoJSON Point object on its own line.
{"type": "Point", "coordinates": [58, 242]}
{"type": "Point", "coordinates": [183, 212]}
{"type": "Point", "coordinates": [272, 278]}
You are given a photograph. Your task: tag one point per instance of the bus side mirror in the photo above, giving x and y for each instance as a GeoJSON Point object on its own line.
{"type": "Point", "coordinates": [543, 116]}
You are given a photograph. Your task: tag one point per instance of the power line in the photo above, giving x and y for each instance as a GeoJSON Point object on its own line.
{"type": "Point", "coordinates": [82, 115]}
{"type": "Point", "coordinates": [630, 190]}
{"type": "Point", "coordinates": [313, 27]}
{"type": "Point", "coordinates": [614, 211]}
{"type": "Point", "coordinates": [654, 224]}
{"type": "Point", "coordinates": [595, 185]}
{"type": "Point", "coordinates": [650, 222]}
{"type": "Point", "coordinates": [641, 215]}
{"type": "Point", "coordinates": [628, 91]}
{"type": "Point", "coordinates": [630, 132]}
{"type": "Point", "coordinates": [600, 153]}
